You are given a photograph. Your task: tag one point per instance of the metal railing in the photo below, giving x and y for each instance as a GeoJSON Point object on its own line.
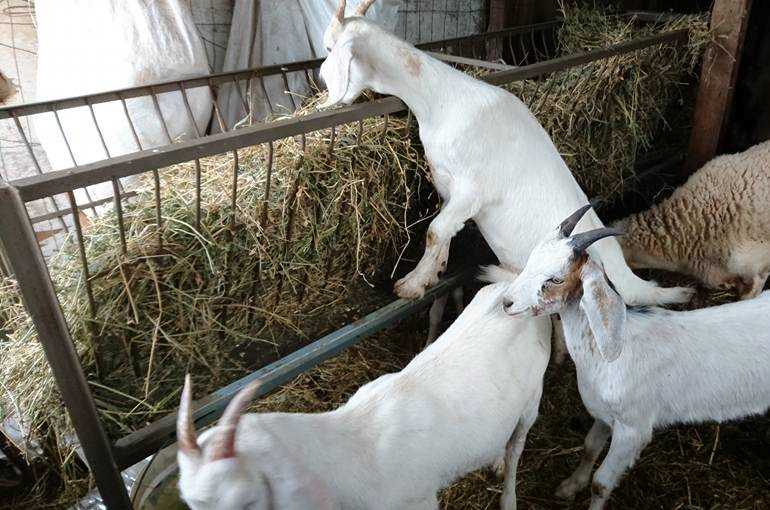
{"type": "Point", "coordinates": [25, 258]}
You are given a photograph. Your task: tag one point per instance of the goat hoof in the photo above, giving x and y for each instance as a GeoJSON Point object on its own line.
{"type": "Point", "coordinates": [410, 287]}
{"type": "Point", "coordinates": [404, 288]}
{"type": "Point", "coordinates": [567, 489]}
{"type": "Point", "coordinates": [498, 467]}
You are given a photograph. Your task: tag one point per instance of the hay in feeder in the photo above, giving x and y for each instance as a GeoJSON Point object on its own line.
{"type": "Point", "coordinates": [604, 115]}
{"type": "Point", "coordinates": [252, 283]}
{"type": "Point", "coordinates": [332, 225]}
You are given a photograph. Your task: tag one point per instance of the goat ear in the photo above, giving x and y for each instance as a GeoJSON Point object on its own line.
{"type": "Point", "coordinates": [336, 72]}
{"type": "Point", "coordinates": [605, 310]}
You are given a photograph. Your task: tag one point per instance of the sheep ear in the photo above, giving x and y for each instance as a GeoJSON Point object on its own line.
{"type": "Point", "coordinates": [605, 310]}
{"type": "Point", "coordinates": [336, 72]}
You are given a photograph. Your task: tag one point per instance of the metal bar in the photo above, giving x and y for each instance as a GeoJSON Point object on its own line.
{"type": "Point", "coordinates": [191, 118]}
{"type": "Point", "coordinates": [35, 187]}
{"type": "Point", "coordinates": [86, 282]}
{"type": "Point", "coordinates": [31, 153]}
{"type": "Point", "coordinates": [132, 164]}
{"type": "Point", "coordinates": [558, 64]}
{"type": "Point", "coordinates": [226, 77]}
{"type": "Point", "coordinates": [138, 445]}
{"type": "Point", "coordinates": [72, 154]}
{"type": "Point", "coordinates": [469, 61]}
{"type": "Point", "coordinates": [40, 299]}
{"type": "Point", "coordinates": [119, 212]}
{"type": "Point", "coordinates": [61, 213]}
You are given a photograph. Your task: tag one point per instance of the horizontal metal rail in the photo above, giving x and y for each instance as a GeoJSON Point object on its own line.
{"type": "Point", "coordinates": [227, 77]}
{"type": "Point", "coordinates": [50, 184]}
{"type": "Point", "coordinates": [576, 59]}
{"type": "Point", "coordinates": [136, 446]}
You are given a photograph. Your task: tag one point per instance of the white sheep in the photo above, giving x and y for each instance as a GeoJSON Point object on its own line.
{"type": "Point", "coordinates": [491, 161]}
{"type": "Point", "coordinates": [641, 369]}
{"type": "Point", "coordinates": [462, 403]}
{"type": "Point", "coordinates": [715, 227]}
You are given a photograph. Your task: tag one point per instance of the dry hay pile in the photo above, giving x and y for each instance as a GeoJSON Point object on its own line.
{"type": "Point", "coordinates": [251, 284]}
{"type": "Point", "coordinates": [603, 115]}
{"type": "Point", "coordinates": [208, 299]}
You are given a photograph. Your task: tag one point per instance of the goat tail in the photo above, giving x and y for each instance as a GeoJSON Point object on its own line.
{"type": "Point", "coordinates": [496, 274]}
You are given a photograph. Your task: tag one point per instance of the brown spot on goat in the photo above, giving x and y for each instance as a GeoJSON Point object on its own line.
{"type": "Point", "coordinates": [411, 62]}
{"type": "Point", "coordinates": [431, 239]}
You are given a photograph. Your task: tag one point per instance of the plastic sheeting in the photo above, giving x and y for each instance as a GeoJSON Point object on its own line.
{"type": "Point", "coordinates": [267, 32]}
{"type": "Point", "coordinates": [87, 46]}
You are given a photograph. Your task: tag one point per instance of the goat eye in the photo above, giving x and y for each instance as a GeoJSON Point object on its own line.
{"type": "Point", "coordinates": [554, 281]}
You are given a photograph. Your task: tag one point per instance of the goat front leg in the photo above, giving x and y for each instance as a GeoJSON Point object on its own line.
{"type": "Point", "coordinates": [594, 444]}
{"type": "Point", "coordinates": [462, 206]}
{"type": "Point", "coordinates": [627, 443]}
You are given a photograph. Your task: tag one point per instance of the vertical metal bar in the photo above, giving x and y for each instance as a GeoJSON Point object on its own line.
{"type": "Point", "coordinates": [524, 52]}
{"type": "Point", "coordinates": [87, 282]}
{"type": "Point", "coordinates": [72, 154]}
{"type": "Point", "coordinates": [156, 174]}
{"type": "Point", "coordinates": [39, 296]}
{"type": "Point", "coordinates": [360, 132]}
{"type": "Point", "coordinates": [130, 123]}
{"type": "Point", "coordinates": [287, 89]}
{"type": "Point", "coordinates": [31, 153]}
{"type": "Point", "coordinates": [267, 96]}
{"type": "Point", "coordinates": [332, 134]}
{"type": "Point", "coordinates": [197, 161]}
{"type": "Point", "coordinates": [262, 221]}
{"type": "Point", "coordinates": [384, 128]}
{"type": "Point", "coordinates": [119, 212]}
{"type": "Point", "coordinates": [217, 111]}
{"type": "Point", "coordinates": [240, 95]}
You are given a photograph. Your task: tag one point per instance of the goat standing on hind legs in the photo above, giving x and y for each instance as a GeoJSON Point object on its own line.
{"type": "Point", "coordinates": [491, 161]}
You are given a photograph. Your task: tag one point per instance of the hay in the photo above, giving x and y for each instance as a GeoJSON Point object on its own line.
{"type": "Point", "coordinates": [234, 294]}
{"type": "Point", "coordinates": [333, 227]}
{"type": "Point", "coordinates": [602, 116]}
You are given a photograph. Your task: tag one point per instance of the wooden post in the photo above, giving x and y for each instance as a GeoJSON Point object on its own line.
{"type": "Point", "coordinates": [717, 83]}
{"type": "Point", "coordinates": [497, 21]}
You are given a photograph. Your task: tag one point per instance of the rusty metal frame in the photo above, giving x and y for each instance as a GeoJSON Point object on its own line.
{"type": "Point", "coordinates": [28, 265]}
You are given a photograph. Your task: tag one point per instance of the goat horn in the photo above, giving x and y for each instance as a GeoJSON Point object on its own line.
{"type": "Point", "coordinates": [568, 225]}
{"type": "Point", "coordinates": [340, 14]}
{"type": "Point", "coordinates": [223, 442]}
{"type": "Point", "coordinates": [185, 430]}
{"type": "Point", "coordinates": [581, 242]}
{"type": "Point", "coordinates": [363, 7]}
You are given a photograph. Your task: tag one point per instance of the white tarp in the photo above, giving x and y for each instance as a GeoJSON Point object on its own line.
{"type": "Point", "coordinates": [87, 46]}
{"type": "Point", "coordinates": [267, 32]}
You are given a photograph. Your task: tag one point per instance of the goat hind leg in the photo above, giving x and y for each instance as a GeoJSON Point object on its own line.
{"type": "Point", "coordinates": [513, 451]}
{"type": "Point", "coordinates": [434, 317]}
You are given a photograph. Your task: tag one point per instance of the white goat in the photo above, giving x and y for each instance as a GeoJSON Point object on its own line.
{"type": "Point", "coordinates": [716, 227]}
{"type": "Point", "coordinates": [462, 403]}
{"type": "Point", "coordinates": [490, 159]}
{"type": "Point", "coordinates": [641, 369]}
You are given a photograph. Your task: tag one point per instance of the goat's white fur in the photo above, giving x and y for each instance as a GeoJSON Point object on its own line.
{"type": "Point", "coordinates": [400, 438]}
{"type": "Point", "coordinates": [491, 161]}
{"type": "Point", "coordinates": [638, 370]}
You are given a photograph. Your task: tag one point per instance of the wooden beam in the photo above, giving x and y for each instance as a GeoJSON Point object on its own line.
{"type": "Point", "coordinates": [717, 83]}
{"type": "Point", "coordinates": [497, 21]}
